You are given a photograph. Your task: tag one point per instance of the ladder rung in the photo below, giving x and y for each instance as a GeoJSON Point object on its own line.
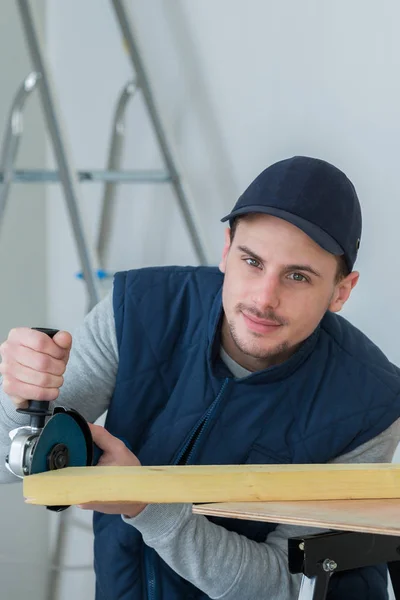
{"type": "Point", "coordinates": [48, 176]}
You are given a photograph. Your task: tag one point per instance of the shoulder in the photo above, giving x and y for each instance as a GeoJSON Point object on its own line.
{"type": "Point", "coordinates": [143, 281]}
{"type": "Point", "coordinates": [165, 298]}
{"type": "Point", "coordinates": [352, 348]}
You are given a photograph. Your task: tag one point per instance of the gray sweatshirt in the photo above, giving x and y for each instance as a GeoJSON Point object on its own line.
{"type": "Point", "coordinates": [223, 564]}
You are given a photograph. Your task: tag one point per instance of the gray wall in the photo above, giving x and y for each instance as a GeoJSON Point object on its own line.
{"type": "Point", "coordinates": [240, 85]}
{"type": "Point", "coordinates": [23, 530]}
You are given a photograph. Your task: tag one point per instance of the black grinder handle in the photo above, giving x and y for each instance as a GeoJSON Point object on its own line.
{"type": "Point", "coordinates": [38, 410]}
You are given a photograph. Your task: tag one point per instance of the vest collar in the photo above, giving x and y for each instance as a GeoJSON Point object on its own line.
{"type": "Point", "coordinates": [269, 375]}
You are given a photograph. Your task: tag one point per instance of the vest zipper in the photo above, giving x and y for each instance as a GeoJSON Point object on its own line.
{"type": "Point", "coordinates": [151, 583]}
{"type": "Point", "coordinates": [186, 451]}
{"type": "Point", "coordinates": [202, 426]}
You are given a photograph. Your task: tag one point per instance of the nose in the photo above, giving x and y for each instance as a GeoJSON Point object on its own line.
{"type": "Point", "coordinates": [268, 292]}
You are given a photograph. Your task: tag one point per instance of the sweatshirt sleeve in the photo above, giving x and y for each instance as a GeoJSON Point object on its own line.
{"type": "Point", "coordinates": [226, 565]}
{"type": "Point", "coordinates": [89, 379]}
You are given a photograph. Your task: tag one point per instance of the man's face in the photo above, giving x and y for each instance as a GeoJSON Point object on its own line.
{"type": "Point", "coordinates": [278, 285]}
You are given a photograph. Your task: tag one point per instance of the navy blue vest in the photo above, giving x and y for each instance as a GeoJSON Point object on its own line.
{"type": "Point", "coordinates": [335, 393]}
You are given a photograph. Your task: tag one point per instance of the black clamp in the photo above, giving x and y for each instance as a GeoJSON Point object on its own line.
{"type": "Point", "coordinates": [322, 555]}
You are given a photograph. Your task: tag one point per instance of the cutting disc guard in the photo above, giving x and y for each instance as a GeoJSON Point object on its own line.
{"type": "Point", "coordinates": [68, 429]}
{"type": "Point", "coordinates": [60, 429]}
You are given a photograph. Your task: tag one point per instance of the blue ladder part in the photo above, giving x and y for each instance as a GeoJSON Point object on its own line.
{"type": "Point", "coordinates": [100, 274]}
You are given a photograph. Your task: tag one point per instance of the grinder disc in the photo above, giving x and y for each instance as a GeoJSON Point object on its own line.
{"type": "Point", "coordinates": [60, 438]}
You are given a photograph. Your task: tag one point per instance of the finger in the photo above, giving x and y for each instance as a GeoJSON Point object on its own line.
{"type": "Point", "coordinates": [93, 505]}
{"type": "Point", "coordinates": [32, 359]}
{"type": "Point", "coordinates": [19, 402]}
{"type": "Point", "coordinates": [132, 508]}
{"type": "Point", "coordinates": [31, 376]}
{"type": "Point", "coordinates": [101, 508]}
{"type": "Point", "coordinates": [63, 339]}
{"type": "Point", "coordinates": [104, 461]}
{"type": "Point", "coordinates": [39, 341]}
{"type": "Point", "coordinates": [103, 439]}
{"type": "Point", "coordinates": [19, 390]}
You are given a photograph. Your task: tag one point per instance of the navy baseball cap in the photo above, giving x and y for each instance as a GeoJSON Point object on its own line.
{"type": "Point", "coordinates": [313, 195]}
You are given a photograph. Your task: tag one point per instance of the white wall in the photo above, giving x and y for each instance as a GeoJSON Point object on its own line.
{"type": "Point", "coordinates": [23, 529]}
{"type": "Point", "coordinates": [240, 84]}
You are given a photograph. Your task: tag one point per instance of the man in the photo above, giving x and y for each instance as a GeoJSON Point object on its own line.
{"type": "Point", "coordinates": [246, 364]}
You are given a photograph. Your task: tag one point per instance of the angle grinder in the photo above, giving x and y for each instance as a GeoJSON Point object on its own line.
{"type": "Point", "coordinates": [53, 439]}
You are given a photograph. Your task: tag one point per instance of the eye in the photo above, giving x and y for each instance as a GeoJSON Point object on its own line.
{"type": "Point", "coordinates": [298, 277]}
{"type": "Point", "coordinates": [252, 262]}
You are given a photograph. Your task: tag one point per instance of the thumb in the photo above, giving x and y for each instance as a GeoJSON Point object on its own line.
{"type": "Point", "coordinates": [63, 339]}
{"type": "Point", "coordinates": [102, 438]}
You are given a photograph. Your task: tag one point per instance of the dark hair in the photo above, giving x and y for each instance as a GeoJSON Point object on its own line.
{"type": "Point", "coordinates": [342, 268]}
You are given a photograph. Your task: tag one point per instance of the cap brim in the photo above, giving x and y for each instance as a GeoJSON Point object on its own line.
{"type": "Point", "coordinates": [317, 234]}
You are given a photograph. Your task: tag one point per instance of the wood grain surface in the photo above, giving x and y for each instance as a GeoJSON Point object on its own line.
{"type": "Point", "coordinates": [367, 516]}
{"type": "Point", "coordinates": [221, 483]}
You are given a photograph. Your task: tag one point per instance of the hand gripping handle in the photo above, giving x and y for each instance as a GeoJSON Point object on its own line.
{"type": "Point", "coordinates": [38, 410]}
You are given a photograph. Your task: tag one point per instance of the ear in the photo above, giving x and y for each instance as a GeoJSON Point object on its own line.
{"type": "Point", "coordinates": [227, 245]}
{"type": "Point", "coordinates": [343, 290]}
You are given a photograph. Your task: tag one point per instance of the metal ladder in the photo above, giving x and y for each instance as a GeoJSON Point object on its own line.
{"type": "Point", "coordinates": [92, 256]}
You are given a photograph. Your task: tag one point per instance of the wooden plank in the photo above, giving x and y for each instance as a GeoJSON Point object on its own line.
{"type": "Point", "coordinates": [221, 483]}
{"type": "Point", "coordinates": [366, 516]}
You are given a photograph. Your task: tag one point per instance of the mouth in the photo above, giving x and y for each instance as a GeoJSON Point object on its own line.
{"type": "Point", "coordinates": [260, 325]}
